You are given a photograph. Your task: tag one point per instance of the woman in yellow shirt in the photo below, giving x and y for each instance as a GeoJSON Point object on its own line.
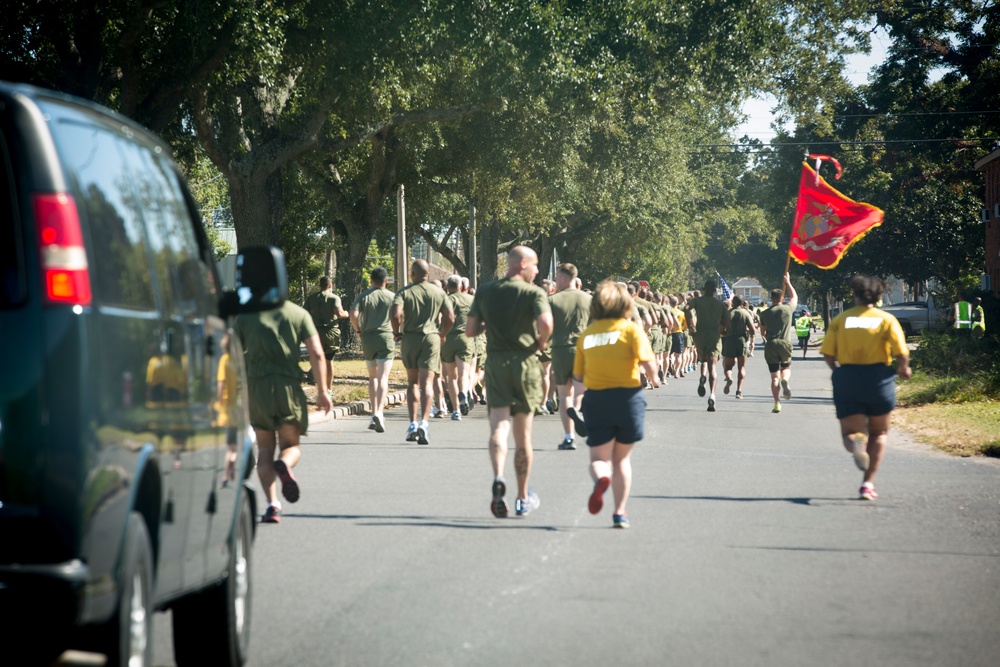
{"type": "Point", "coordinates": [859, 347]}
{"type": "Point", "coordinates": [609, 354]}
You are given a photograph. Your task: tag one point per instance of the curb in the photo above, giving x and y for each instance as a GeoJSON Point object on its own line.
{"type": "Point", "coordinates": [356, 408]}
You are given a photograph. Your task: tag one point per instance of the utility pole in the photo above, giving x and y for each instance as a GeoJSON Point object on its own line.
{"type": "Point", "coordinates": [401, 268]}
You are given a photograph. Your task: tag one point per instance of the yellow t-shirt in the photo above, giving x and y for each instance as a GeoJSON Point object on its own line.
{"type": "Point", "coordinates": [864, 335]}
{"type": "Point", "coordinates": [681, 321]}
{"type": "Point", "coordinates": [608, 353]}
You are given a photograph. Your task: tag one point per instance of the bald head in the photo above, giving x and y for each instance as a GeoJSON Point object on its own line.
{"type": "Point", "coordinates": [419, 271]}
{"type": "Point", "coordinates": [522, 261]}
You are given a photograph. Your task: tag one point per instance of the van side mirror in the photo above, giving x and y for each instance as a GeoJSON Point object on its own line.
{"type": "Point", "coordinates": [261, 282]}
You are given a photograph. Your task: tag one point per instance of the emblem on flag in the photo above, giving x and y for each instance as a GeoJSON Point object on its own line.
{"type": "Point", "coordinates": [826, 222]}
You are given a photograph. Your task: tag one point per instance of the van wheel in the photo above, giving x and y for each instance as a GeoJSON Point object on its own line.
{"type": "Point", "coordinates": [128, 639]}
{"type": "Point", "coordinates": [907, 329]}
{"type": "Point", "coordinates": [212, 627]}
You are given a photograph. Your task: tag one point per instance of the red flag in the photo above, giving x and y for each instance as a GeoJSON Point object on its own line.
{"type": "Point", "coordinates": [826, 222]}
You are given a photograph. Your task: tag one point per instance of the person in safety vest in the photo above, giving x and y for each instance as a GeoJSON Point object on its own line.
{"type": "Point", "coordinates": [803, 326]}
{"type": "Point", "coordinates": [962, 314]}
{"type": "Point", "coordinates": [978, 318]}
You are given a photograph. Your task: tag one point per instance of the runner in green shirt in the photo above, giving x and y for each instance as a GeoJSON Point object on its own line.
{"type": "Point", "coordinates": [518, 321]}
{"type": "Point", "coordinates": [775, 327]}
{"type": "Point", "coordinates": [279, 411]}
{"type": "Point", "coordinates": [414, 317]}
{"type": "Point", "coordinates": [370, 319]}
{"type": "Point", "coordinates": [458, 350]}
{"type": "Point", "coordinates": [325, 309]}
{"type": "Point", "coordinates": [734, 345]}
{"type": "Point", "coordinates": [709, 321]}
{"type": "Point", "coordinates": [570, 316]}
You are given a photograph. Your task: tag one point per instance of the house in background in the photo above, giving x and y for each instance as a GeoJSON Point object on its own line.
{"type": "Point", "coordinates": [990, 166]}
{"type": "Point", "coordinates": [750, 290]}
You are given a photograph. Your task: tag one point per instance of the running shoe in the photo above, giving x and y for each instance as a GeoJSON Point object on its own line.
{"type": "Point", "coordinates": [456, 416]}
{"type": "Point", "coordinates": [463, 403]}
{"type": "Point", "coordinates": [701, 385]}
{"type": "Point", "coordinates": [497, 505]}
{"type": "Point", "coordinates": [411, 433]}
{"type": "Point", "coordinates": [540, 410]}
{"type": "Point", "coordinates": [422, 435]}
{"type": "Point", "coordinates": [439, 414]}
{"type": "Point", "coordinates": [550, 405]}
{"type": "Point", "coordinates": [867, 492]}
{"type": "Point", "coordinates": [578, 423]}
{"type": "Point", "coordinates": [527, 505]}
{"type": "Point", "coordinates": [776, 409]}
{"type": "Point", "coordinates": [729, 384]}
{"type": "Point", "coordinates": [859, 448]}
{"type": "Point", "coordinates": [711, 405]}
{"type": "Point", "coordinates": [371, 423]}
{"type": "Point", "coordinates": [621, 520]}
{"type": "Point", "coordinates": [271, 515]}
{"type": "Point", "coordinates": [786, 391]}
{"type": "Point", "coordinates": [567, 443]}
{"type": "Point", "coordinates": [596, 501]}
{"type": "Point", "coordinates": [289, 487]}
{"type": "Point", "coordinates": [660, 375]}
{"type": "Point", "coordinates": [379, 426]}
{"type": "Point", "coordinates": [739, 394]}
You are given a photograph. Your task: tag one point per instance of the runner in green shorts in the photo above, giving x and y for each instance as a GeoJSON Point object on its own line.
{"type": "Point", "coordinates": [279, 412]}
{"type": "Point", "coordinates": [570, 315]}
{"type": "Point", "coordinates": [518, 319]}
{"type": "Point", "coordinates": [414, 318]}
{"type": "Point", "coordinates": [458, 350]}
{"type": "Point", "coordinates": [370, 319]}
{"type": "Point", "coordinates": [776, 327]}
{"type": "Point", "coordinates": [708, 324]}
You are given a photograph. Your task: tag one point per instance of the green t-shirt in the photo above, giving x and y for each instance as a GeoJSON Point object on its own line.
{"type": "Point", "coordinates": [777, 320]}
{"type": "Point", "coordinates": [421, 304]}
{"type": "Point", "coordinates": [323, 307]}
{"type": "Point", "coordinates": [709, 315]}
{"type": "Point", "coordinates": [271, 340]}
{"type": "Point", "coordinates": [570, 316]}
{"type": "Point", "coordinates": [373, 307]}
{"type": "Point", "coordinates": [509, 307]}
{"type": "Point", "coordinates": [740, 321]}
{"type": "Point", "coordinates": [460, 304]}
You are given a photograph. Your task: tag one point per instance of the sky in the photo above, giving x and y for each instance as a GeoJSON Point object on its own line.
{"type": "Point", "coordinates": [758, 110]}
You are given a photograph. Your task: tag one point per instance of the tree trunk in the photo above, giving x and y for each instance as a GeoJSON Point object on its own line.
{"type": "Point", "coordinates": [257, 208]}
{"type": "Point", "coordinates": [331, 256]}
{"type": "Point", "coordinates": [489, 245]}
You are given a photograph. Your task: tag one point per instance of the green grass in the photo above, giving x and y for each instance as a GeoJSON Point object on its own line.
{"type": "Point", "coordinates": [953, 399]}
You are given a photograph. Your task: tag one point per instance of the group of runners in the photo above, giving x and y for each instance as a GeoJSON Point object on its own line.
{"type": "Point", "coordinates": [522, 350]}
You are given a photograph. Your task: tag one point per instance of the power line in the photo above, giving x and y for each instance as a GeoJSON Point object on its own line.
{"type": "Point", "coordinates": [880, 142]}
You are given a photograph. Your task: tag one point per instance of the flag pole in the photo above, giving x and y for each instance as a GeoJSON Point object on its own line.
{"type": "Point", "coordinates": [788, 248]}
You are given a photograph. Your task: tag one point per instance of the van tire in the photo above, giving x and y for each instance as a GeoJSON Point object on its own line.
{"type": "Point", "coordinates": [129, 632]}
{"type": "Point", "coordinates": [212, 627]}
{"type": "Point", "coordinates": [907, 329]}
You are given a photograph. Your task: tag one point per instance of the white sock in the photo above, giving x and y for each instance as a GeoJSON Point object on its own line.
{"type": "Point", "coordinates": [569, 436]}
{"type": "Point", "coordinates": [423, 423]}
{"type": "Point", "coordinates": [276, 505]}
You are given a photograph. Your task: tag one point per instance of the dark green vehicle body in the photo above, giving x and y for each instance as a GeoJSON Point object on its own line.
{"type": "Point", "coordinates": [112, 407]}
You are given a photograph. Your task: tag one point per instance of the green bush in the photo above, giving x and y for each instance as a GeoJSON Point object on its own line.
{"type": "Point", "coordinates": [969, 369]}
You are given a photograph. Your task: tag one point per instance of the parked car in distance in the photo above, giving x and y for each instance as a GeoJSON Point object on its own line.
{"type": "Point", "coordinates": [124, 435]}
{"type": "Point", "coordinates": [917, 316]}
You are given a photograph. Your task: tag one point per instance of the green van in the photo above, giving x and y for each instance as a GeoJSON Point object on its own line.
{"type": "Point", "coordinates": [124, 436]}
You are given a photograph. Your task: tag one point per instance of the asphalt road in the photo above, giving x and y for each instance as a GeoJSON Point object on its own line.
{"type": "Point", "coordinates": [747, 547]}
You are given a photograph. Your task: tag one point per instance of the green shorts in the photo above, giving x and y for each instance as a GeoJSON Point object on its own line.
{"type": "Point", "coordinates": [668, 342]}
{"type": "Point", "coordinates": [778, 351]}
{"type": "Point", "coordinates": [376, 345]}
{"type": "Point", "coordinates": [275, 401]}
{"type": "Point", "coordinates": [480, 351]}
{"type": "Point", "coordinates": [656, 340]}
{"type": "Point", "coordinates": [708, 347]}
{"type": "Point", "coordinates": [562, 363]}
{"type": "Point", "coordinates": [514, 380]}
{"type": "Point", "coordinates": [421, 351]}
{"type": "Point", "coordinates": [329, 338]}
{"type": "Point", "coordinates": [458, 347]}
{"type": "Point", "coordinates": [734, 346]}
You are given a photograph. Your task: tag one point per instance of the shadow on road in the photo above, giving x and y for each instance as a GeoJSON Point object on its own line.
{"type": "Point", "coordinates": [427, 521]}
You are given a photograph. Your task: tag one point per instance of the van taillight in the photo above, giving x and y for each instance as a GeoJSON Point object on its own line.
{"type": "Point", "coordinates": [64, 259]}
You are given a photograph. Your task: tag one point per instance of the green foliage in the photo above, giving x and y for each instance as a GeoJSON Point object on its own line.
{"type": "Point", "coordinates": [963, 369]}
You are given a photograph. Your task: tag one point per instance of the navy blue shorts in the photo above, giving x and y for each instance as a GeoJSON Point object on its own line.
{"type": "Point", "coordinates": [864, 389]}
{"type": "Point", "coordinates": [677, 343]}
{"type": "Point", "coordinates": [614, 414]}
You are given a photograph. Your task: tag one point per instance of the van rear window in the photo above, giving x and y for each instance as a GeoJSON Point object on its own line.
{"type": "Point", "coordinates": [13, 279]}
{"type": "Point", "coordinates": [122, 267]}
